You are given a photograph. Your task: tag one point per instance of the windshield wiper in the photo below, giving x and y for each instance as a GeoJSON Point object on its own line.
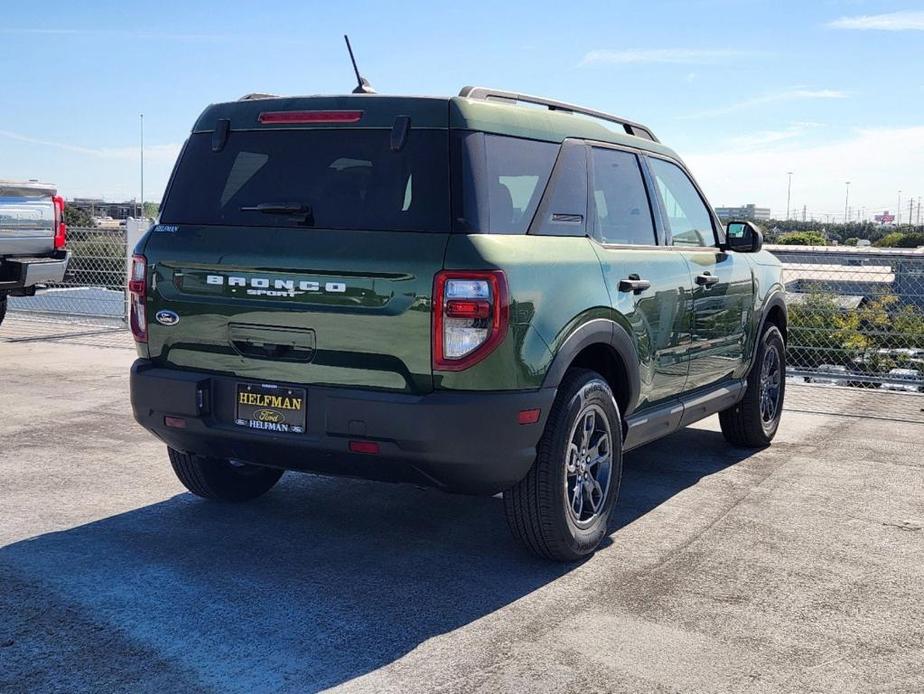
{"type": "Point", "coordinates": [284, 208]}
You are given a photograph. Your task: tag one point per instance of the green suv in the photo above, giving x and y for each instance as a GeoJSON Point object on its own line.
{"type": "Point", "coordinates": [487, 293]}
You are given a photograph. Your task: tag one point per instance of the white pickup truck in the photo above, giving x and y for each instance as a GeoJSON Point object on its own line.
{"type": "Point", "coordinates": [33, 237]}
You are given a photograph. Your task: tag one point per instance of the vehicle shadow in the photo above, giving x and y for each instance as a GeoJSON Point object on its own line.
{"type": "Point", "coordinates": [317, 583]}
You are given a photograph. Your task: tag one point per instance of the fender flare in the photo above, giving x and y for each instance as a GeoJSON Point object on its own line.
{"type": "Point", "coordinates": [776, 299]}
{"type": "Point", "coordinates": [598, 331]}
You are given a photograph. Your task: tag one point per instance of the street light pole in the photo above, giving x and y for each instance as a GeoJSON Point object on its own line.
{"type": "Point", "coordinates": [846, 201]}
{"type": "Point", "coordinates": [141, 216]}
{"type": "Point", "coordinates": [788, 193]}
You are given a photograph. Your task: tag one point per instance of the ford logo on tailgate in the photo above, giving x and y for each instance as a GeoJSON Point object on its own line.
{"type": "Point", "coordinates": [166, 317]}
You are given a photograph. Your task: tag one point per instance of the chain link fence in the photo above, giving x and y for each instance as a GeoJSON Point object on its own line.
{"type": "Point", "coordinates": [93, 290]}
{"type": "Point", "coordinates": [856, 316]}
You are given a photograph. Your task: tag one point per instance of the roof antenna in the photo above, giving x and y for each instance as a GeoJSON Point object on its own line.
{"type": "Point", "coordinates": [363, 86]}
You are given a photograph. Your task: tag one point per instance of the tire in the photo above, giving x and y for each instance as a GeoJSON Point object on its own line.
{"type": "Point", "coordinates": [222, 480]}
{"type": "Point", "coordinates": [747, 424]}
{"type": "Point", "coordinates": [2, 308]}
{"type": "Point", "coordinates": [540, 509]}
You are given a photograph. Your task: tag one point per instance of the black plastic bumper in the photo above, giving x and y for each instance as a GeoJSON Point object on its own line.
{"type": "Point", "coordinates": [468, 442]}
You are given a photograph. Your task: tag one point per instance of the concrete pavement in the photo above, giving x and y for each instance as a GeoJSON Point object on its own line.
{"type": "Point", "coordinates": [800, 567]}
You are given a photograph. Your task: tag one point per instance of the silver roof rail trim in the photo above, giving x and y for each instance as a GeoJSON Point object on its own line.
{"type": "Point", "coordinates": [257, 96]}
{"type": "Point", "coordinates": [485, 94]}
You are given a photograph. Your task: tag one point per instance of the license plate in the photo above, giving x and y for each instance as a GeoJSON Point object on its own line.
{"type": "Point", "coordinates": [271, 408]}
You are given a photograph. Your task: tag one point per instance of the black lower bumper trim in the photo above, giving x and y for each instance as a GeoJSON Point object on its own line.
{"type": "Point", "coordinates": [463, 441]}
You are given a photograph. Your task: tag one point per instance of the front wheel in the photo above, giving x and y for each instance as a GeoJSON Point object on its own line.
{"type": "Point", "coordinates": [220, 479]}
{"type": "Point", "coordinates": [2, 308]}
{"type": "Point", "coordinates": [753, 422]}
{"type": "Point", "coordinates": [560, 510]}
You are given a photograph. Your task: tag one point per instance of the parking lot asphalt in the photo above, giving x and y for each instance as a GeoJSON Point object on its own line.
{"type": "Point", "coordinates": [795, 568]}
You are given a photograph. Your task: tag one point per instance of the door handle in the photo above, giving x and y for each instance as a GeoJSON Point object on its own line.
{"type": "Point", "coordinates": [706, 279]}
{"type": "Point", "coordinates": [633, 283]}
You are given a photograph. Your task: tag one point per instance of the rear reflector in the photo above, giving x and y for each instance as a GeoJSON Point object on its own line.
{"type": "Point", "coordinates": [528, 416]}
{"type": "Point", "coordinates": [296, 117]}
{"type": "Point", "coordinates": [367, 447]}
{"type": "Point", "coordinates": [457, 308]}
{"type": "Point", "coordinates": [175, 422]}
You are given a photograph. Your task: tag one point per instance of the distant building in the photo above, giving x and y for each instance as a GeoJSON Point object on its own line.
{"type": "Point", "coordinates": [98, 207]}
{"type": "Point", "coordinates": [751, 213]}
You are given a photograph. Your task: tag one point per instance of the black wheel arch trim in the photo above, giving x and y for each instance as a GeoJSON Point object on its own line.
{"type": "Point", "coordinates": [599, 331]}
{"type": "Point", "coordinates": [776, 299]}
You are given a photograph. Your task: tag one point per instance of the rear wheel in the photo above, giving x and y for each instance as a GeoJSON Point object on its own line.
{"type": "Point", "coordinates": [560, 510]}
{"type": "Point", "coordinates": [2, 308]}
{"type": "Point", "coordinates": [221, 479]}
{"type": "Point", "coordinates": [753, 422]}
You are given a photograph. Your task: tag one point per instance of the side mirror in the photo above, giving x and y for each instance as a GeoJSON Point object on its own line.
{"type": "Point", "coordinates": [743, 237]}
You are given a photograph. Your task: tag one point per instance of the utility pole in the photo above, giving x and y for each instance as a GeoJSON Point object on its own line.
{"type": "Point", "coordinates": [141, 216]}
{"type": "Point", "coordinates": [911, 212]}
{"type": "Point", "coordinates": [899, 208]}
{"type": "Point", "coordinates": [919, 210]}
{"type": "Point", "coordinates": [846, 201]}
{"type": "Point", "coordinates": [788, 192]}
{"type": "Point", "coordinates": [803, 214]}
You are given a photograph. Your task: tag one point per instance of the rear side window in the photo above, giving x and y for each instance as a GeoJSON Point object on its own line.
{"type": "Point", "coordinates": [623, 213]}
{"type": "Point", "coordinates": [334, 179]}
{"type": "Point", "coordinates": [501, 180]}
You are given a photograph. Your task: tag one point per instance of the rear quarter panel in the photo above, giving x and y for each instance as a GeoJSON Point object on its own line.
{"type": "Point", "coordinates": [555, 286]}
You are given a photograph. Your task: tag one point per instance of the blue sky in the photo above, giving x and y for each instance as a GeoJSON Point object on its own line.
{"type": "Point", "coordinates": [744, 90]}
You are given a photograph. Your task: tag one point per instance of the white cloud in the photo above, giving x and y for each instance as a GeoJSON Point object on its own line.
{"type": "Point", "coordinates": [892, 21]}
{"type": "Point", "coordinates": [119, 33]}
{"type": "Point", "coordinates": [785, 95]}
{"type": "Point", "coordinates": [168, 152]}
{"type": "Point", "coordinates": [673, 56]}
{"type": "Point", "coordinates": [878, 162]}
{"type": "Point", "coordinates": [768, 137]}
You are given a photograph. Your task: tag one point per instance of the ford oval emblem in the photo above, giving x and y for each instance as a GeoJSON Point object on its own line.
{"type": "Point", "coordinates": [167, 317]}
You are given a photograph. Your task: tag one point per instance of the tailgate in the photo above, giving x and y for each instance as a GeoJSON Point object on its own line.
{"type": "Point", "coordinates": [307, 306]}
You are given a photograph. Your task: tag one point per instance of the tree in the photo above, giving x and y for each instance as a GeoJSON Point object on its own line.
{"type": "Point", "coordinates": [803, 238]}
{"type": "Point", "coordinates": [852, 241]}
{"type": "Point", "coordinates": [77, 218]}
{"type": "Point", "coordinates": [901, 239]}
{"type": "Point", "coordinates": [151, 210]}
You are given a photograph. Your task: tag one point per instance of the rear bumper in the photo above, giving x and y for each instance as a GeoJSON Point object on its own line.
{"type": "Point", "coordinates": [468, 442]}
{"type": "Point", "coordinates": [21, 273]}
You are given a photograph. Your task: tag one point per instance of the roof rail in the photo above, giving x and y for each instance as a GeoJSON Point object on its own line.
{"type": "Point", "coordinates": [487, 94]}
{"type": "Point", "coordinates": [255, 96]}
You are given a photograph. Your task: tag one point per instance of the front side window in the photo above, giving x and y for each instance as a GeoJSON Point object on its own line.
{"type": "Point", "coordinates": [623, 214]}
{"type": "Point", "coordinates": [687, 215]}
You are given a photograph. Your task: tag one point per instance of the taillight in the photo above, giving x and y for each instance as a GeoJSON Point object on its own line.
{"type": "Point", "coordinates": [60, 226]}
{"type": "Point", "coordinates": [137, 289]}
{"type": "Point", "coordinates": [297, 117]}
{"type": "Point", "coordinates": [470, 317]}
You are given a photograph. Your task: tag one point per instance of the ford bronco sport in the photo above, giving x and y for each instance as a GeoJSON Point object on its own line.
{"type": "Point", "coordinates": [464, 292]}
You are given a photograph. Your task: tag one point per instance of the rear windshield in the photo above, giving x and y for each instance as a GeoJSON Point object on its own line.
{"type": "Point", "coordinates": [26, 212]}
{"type": "Point", "coordinates": [334, 179]}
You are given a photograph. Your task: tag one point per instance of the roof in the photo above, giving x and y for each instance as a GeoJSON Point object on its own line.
{"type": "Point", "coordinates": [26, 189]}
{"type": "Point", "coordinates": [498, 116]}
